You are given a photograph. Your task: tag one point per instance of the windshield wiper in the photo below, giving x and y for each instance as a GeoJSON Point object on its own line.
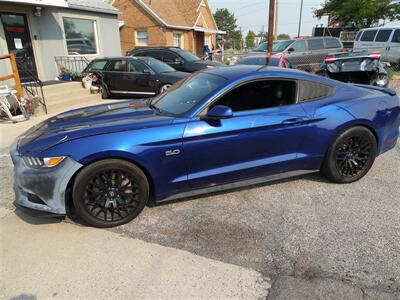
{"type": "Point", "coordinates": [155, 108]}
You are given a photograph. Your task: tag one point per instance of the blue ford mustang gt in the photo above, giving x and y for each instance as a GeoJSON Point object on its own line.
{"type": "Point", "coordinates": [217, 129]}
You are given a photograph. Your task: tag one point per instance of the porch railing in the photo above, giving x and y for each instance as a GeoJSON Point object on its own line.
{"type": "Point", "coordinates": [31, 84]}
{"type": "Point", "coordinates": [74, 64]}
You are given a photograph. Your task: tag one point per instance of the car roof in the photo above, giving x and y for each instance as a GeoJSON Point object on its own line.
{"type": "Point", "coordinates": [377, 28]}
{"type": "Point", "coordinates": [238, 71]}
{"type": "Point", "coordinates": [264, 56]}
{"type": "Point", "coordinates": [172, 48]}
{"type": "Point", "coordinates": [123, 57]}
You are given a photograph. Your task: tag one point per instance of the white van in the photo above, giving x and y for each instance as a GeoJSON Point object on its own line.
{"type": "Point", "coordinates": [384, 40]}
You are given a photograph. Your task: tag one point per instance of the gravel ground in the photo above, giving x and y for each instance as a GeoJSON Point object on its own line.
{"type": "Point", "coordinates": [314, 239]}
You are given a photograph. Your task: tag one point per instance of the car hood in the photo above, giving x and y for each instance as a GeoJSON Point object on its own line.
{"type": "Point", "coordinates": [88, 121]}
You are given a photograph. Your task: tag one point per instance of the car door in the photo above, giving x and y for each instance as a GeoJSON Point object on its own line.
{"type": "Point", "coordinates": [261, 139]}
{"type": "Point", "coordinates": [381, 42]}
{"type": "Point", "coordinates": [113, 75]}
{"type": "Point", "coordinates": [138, 79]}
{"type": "Point", "coordinates": [297, 54]}
{"type": "Point", "coordinates": [317, 51]}
{"type": "Point", "coordinates": [393, 49]}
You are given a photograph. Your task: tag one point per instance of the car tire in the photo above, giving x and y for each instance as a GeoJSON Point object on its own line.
{"type": "Point", "coordinates": [110, 193]}
{"type": "Point", "coordinates": [350, 156]}
{"type": "Point", "coordinates": [164, 88]}
{"type": "Point", "coordinates": [104, 92]}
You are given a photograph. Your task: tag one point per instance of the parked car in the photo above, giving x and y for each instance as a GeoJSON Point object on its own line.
{"type": "Point", "coordinates": [215, 130]}
{"type": "Point", "coordinates": [265, 60]}
{"type": "Point", "coordinates": [356, 67]}
{"type": "Point", "coordinates": [177, 58]}
{"type": "Point", "coordinates": [134, 76]}
{"type": "Point", "coordinates": [303, 53]}
{"type": "Point", "coordinates": [385, 40]}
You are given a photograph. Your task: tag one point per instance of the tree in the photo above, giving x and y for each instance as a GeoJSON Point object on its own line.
{"type": "Point", "coordinates": [361, 13]}
{"type": "Point", "coordinates": [250, 39]}
{"type": "Point", "coordinates": [226, 21]}
{"type": "Point", "coordinates": [283, 36]}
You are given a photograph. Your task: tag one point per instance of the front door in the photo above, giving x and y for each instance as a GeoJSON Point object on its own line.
{"type": "Point", "coordinates": [19, 42]}
{"type": "Point", "coordinates": [262, 138]}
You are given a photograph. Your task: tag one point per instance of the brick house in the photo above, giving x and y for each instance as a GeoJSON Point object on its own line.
{"type": "Point", "coordinates": [188, 24]}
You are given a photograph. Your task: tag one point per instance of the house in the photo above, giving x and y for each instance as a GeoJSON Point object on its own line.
{"type": "Point", "coordinates": [188, 24]}
{"type": "Point", "coordinates": [40, 31]}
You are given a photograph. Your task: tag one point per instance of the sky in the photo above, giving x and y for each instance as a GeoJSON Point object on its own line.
{"type": "Point", "coordinates": [253, 15]}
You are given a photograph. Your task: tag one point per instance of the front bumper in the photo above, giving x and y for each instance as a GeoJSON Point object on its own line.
{"type": "Point", "coordinates": [42, 189]}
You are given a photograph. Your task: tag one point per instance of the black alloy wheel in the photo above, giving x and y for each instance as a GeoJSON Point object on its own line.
{"type": "Point", "coordinates": [110, 193]}
{"type": "Point", "coordinates": [351, 156]}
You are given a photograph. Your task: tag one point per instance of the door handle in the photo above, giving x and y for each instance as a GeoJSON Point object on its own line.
{"type": "Point", "coordinates": [293, 121]}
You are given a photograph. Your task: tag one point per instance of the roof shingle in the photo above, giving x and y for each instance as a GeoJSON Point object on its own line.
{"type": "Point", "coordinates": [93, 5]}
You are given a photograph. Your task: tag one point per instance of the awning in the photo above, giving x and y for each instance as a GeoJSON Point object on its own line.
{"type": "Point", "coordinates": [209, 30]}
{"type": "Point", "coordinates": [58, 3]}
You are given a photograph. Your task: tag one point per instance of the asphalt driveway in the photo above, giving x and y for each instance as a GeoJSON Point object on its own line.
{"type": "Point", "coordinates": [314, 239]}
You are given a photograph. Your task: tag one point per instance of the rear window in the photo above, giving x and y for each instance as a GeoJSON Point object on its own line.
{"type": "Point", "coordinates": [316, 44]}
{"type": "Point", "coordinates": [260, 61]}
{"type": "Point", "coordinates": [383, 35]}
{"type": "Point", "coordinates": [368, 35]}
{"type": "Point", "coordinates": [154, 54]}
{"type": "Point", "coordinates": [310, 91]}
{"type": "Point", "coordinates": [396, 36]}
{"type": "Point", "coordinates": [332, 43]}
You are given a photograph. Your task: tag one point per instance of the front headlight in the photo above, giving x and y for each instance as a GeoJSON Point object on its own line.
{"type": "Point", "coordinates": [41, 163]}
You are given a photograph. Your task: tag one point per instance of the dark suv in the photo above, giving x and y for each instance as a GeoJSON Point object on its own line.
{"type": "Point", "coordinates": [177, 58]}
{"type": "Point", "coordinates": [133, 76]}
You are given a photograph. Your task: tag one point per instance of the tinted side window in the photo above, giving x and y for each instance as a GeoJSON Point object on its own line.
{"type": "Point", "coordinates": [117, 66]}
{"type": "Point", "coordinates": [154, 54]}
{"type": "Point", "coordinates": [310, 90]}
{"type": "Point", "coordinates": [383, 35]}
{"type": "Point", "coordinates": [396, 36]}
{"type": "Point", "coordinates": [316, 44]}
{"type": "Point", "coordinates": [299, 46]}
{"type": "Point", "coordinates": [260, 95]}
{"type": "Point", "coordinates": [358, 35]}
{"type": "Point", "coordinates": [136, 66]}
{"type": "Point", "coordinates": [368, 35]}
{"type": "Point", "coordinates": [332, 43]}
{"type": "Point", "coordinates": [168, 57]}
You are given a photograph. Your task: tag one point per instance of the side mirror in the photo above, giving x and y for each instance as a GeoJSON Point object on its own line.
{"type": "Point", "coordinates": [290, 50]}
{"type": "Point", "coordinates": [220, 112]}
{"type": "Point", "coordinates": [148, 71]}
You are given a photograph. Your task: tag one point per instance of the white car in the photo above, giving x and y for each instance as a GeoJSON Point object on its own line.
{"type": "Point", "coordinates": [385, 40]}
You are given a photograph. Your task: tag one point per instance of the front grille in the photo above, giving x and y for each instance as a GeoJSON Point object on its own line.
{"type": "Point", "coordinates": [35, 199]}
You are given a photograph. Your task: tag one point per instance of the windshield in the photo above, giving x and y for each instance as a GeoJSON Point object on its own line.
{"type": "Point", "coordinates": [158, 66]}
{"type": "Point", "coordinates": [262, 47]}
{"type": "Point", "coordinates": [280, 46]}
{"type": "Point", "coordinates": [182, 97]}
{"type": "Point", "coordinates": [188, 56]}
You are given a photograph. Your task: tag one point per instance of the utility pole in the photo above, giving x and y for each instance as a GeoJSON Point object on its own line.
{"type": "Point", "coordinates": [276, 19]}
{"type": "Point", "coordinates": [301, 12]}
{"type": "Point", "coordinates": [271, 18]}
